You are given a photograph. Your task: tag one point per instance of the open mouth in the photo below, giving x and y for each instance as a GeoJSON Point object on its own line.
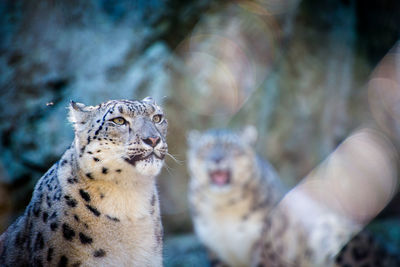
{"type": "Point", "coordinates": [137, 158]}
{"type": "Point", "coordinates": [220, 177]}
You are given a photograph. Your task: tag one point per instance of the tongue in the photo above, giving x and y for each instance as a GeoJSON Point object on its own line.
{"type": "Point", "coordinates": [220, 177]}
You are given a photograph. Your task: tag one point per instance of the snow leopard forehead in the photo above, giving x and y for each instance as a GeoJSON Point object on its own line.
{"type": "Point", "coordinates": [132, 108]}
{"type": "Point", "coordinates": [224, 137]}
{"type": "Point", "coordinates": [219, 137]}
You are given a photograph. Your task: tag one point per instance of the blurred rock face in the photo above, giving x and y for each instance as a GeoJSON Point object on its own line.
{"type": "Point", "coordinates": [291, 68]}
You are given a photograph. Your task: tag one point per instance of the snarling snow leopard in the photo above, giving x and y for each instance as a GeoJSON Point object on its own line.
{"type": "Point", "coordinates": [238, 214]}
{"type": "Point", "coordinates": [230, 191]}
{"type": "Point", "coordinates": [98, 205]}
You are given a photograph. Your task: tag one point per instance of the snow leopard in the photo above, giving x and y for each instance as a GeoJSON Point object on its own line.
{"type": "Point", "coordinates": [98, 205]}
{"type": "Point", "coordinates": [231, 190]}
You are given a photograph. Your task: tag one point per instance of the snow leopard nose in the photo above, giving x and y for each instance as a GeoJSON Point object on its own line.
{"type": "Point", "coordinates": [152, 141]}
{"type": "Point", "coordinates": [217, 158]}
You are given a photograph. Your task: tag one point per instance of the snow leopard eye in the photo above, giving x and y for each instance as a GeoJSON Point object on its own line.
{"type": "Point", "coordinates": [157, 118]}
{"type": "Point", "coordinates": [119, 121]}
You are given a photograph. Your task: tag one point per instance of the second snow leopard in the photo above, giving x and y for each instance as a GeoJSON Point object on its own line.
{"type": "Point", "coordinates": [231, 190]}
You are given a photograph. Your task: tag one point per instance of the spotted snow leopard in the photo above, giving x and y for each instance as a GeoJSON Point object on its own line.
{"type": "Point", "coordinates": [98, 205]}
{"type": "Point", "coordinates": [230, 191]}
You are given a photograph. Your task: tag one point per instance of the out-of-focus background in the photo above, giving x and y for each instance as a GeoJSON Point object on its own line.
{"type": "Point", "coordinates": [305, 73]}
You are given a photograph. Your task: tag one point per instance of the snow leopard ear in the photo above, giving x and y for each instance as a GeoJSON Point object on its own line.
{"type": "Point", "coordinates": [249, 134]}
{"type": "Point", "coordinates": [192, 137]}
{"type": "Point", "coordinates": [149, 100]}
{"type": "Point", "coordinates": [78, 114]}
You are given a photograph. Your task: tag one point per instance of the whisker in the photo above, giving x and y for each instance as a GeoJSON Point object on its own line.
{"type": "Point", "coordinates": [180, 162]}
{"type": "Point", "coordinates": [168, 169]}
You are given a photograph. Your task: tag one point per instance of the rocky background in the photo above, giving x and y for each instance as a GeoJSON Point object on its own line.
{"type": "Point", "coordinates": [299, 71]}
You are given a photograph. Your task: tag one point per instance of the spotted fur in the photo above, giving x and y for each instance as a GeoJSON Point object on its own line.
{"type": "Point", "coordinates": [318, 241]}
{"type": "Point", "coordinates": [98, 205]}
{"type": "Point", "coordinates": [228, 215]}
{"type": "Point", "coordinates": [302, 234]}
{"type": "Point", "coordinates": [365, 250]}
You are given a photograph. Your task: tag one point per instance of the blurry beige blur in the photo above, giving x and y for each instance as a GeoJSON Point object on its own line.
{"type": "Point", "coordinates": [357, 180]}
{"type": "Point", "coordinates": [384, 94]}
